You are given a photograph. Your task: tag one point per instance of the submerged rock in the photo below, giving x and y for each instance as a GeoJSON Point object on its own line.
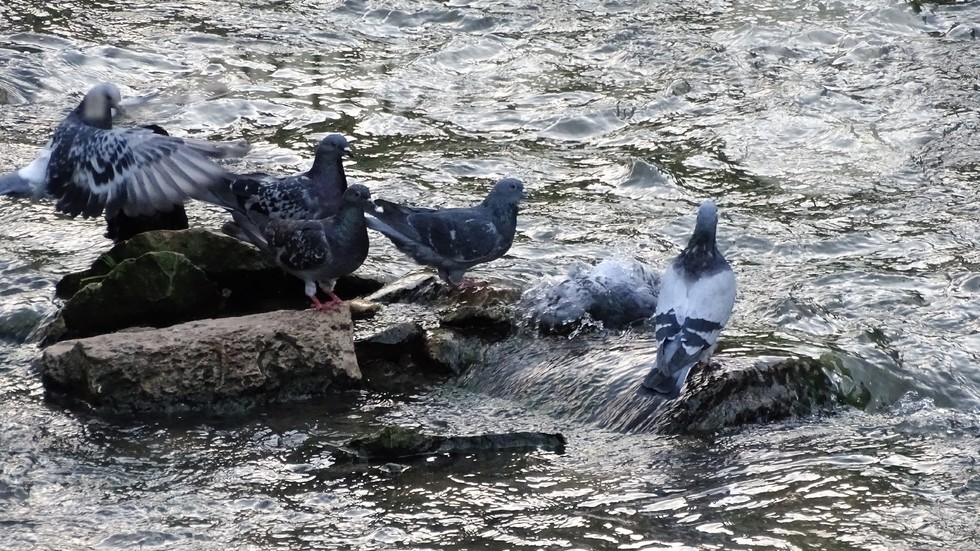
{"type": "Point", "coordinates": [207, 365]}
{"type": "Point", "coordinates": [393, 443]}
{"type": "Point", "coordinates": [19, 322]}
{"type": "Point", "coordinates": [742, 392]}
{"type": "Point", "coordinates": [455, 351]}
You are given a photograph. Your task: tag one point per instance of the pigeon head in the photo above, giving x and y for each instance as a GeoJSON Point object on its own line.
{"type": "Point", "coordinates": [508, 191]}
{"type": "Point", "coordinates": [704, 228]}
{"type": "Point", "coordinates": [97, 105]}
{"type": "Point", "coordinates": [701, 255]}
{"type": "Point", "coordinates": [358, 194]}
{"type": "Point", "coordinates": [335, 145]}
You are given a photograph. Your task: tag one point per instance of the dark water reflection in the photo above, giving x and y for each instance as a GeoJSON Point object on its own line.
{"type": "Point", "coordinates": [840, 140]}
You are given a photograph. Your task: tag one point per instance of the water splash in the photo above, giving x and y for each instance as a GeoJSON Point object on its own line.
{"type": "Point", "coordinates": [613, 294]}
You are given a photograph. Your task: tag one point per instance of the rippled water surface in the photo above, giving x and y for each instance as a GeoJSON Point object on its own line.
{"type": "Point", "coordinates": [841, 140]}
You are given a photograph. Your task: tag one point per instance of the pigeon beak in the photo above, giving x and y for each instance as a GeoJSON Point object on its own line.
{"type": "Point", "coordinates": [349, 151]}
{"type": "Point", "coordinates": [116, 111]}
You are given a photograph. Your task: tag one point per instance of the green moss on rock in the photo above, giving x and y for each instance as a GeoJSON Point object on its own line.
{"type": "Point", "coordinates": [221, 257]}
{"type": "Point", "coordinates": [157, 289]}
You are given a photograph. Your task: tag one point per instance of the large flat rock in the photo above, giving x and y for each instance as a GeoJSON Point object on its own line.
{"type": "Point", "coordinates": [206, 365]}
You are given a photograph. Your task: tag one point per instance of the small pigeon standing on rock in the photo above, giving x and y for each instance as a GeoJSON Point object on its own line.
{"type": "Point", "coordinates": [90, 167]}
{"type": "Point", "coordinates": [695, 302]}
{"type": "Point", "coordinates": [321, 251]}
{"type": "Point", "coordinates": [453, 240]}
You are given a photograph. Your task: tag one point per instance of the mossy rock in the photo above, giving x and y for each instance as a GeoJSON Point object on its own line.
{"type": "Point", "coordinates": [494, 322]}
{"type": "Point", "coordinates": [221, 257]}
{"type": "Point", "coordinates": [18, 323]}
{"type": "Point", "coordinates": [394, 443]}
{"type": "Point", "coordinates": [157, 289]}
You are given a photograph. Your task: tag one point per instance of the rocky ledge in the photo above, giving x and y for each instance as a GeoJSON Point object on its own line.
{"type": "Point", "coordinates": [410, 334]}
{"type": "Point", "coordinates": [209, 364]}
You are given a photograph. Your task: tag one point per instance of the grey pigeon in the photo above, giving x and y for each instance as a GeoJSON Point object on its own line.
{"type": "Point", "coordinates": [695, 302]}
{"type": "Point", "coordinates": [314, 194]}
{"type": "Point", "coordinates": [453, 240]}
{"type": "Point", "coordinates": [320, 251]}
{"type": "Point", "coordinates": [90, 167]}
{"type": "Point", "coordinates": [122, 226]}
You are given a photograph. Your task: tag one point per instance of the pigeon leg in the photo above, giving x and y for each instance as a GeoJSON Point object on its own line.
{"type": "Point", "coordinates": [328, 306]}
{"type": "Point", "coordinates": [317, 305]}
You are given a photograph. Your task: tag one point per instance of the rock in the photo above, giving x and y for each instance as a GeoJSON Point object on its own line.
{"type": "Point", "coordinates": [394, 359]}
{"type": "Point", "coordinates": [18, 322]}
{"type": "Point", "coordinates": [218, 276]}
{"type": "Point", "coordinates": [493, 322]}
{"type": "Point", "coordinates": [207, 365]}
{"type": "Point", "coordinates": [395, 339]}
{"type": "Point", "coordinates": [742, 392]}
{"type": "Point", "coordinates": [363, 309]}
{"type": "Point", "coordinates": [453, 350]}
{"type": "Point", "coordinates": [122, 226]}
{"type": "Point", "coordinates": [393, 443]}
{"type": "Point", "coordinates": [426, 288]}
{"type": "Point", "coordinates": [225, 260]}
{"type": "Point", "coordinates": [354, 285]}
{"type": "Point", "coordinates": [679, 87]}
{"type": "Point", "coordinates": [156, 289]}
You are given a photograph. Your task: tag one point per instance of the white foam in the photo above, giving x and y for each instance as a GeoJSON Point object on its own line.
{"type": "Point", "coordinates": [611, 294]}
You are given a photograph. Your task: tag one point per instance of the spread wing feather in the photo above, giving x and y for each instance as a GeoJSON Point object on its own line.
{"type": "Point", "coordinates": [133, 170]}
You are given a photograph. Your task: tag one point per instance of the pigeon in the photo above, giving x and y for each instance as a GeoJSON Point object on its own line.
{"type": "Point", "coordinates": [311, 195]}
{"type": "Point", "coordinates": [320, 251]}
{"type": "Point", "coordinates": [121, 226]}
{"type": "Point", "coordinates": [91, 168]}
{"type": "Point", "coordinates": [314, 194]}
{"type": "Point", "coordinates": [453, 240]}
{"type": "Point", "coordinates": [695, 302]}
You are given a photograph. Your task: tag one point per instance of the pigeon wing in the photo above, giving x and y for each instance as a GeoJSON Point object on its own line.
{"type": "Point", "coordinates": [133, 170]}
{"type": "Point", "coordinates": [460, 235]}
{"type": "Point", "coordinates": [299, 244]}
{"type": "Point", "coordinates": [689, 317]}
{"type": "Point", "coordinates": [391, 219]}
{"type": "Point", "coordinates": [278, 199]}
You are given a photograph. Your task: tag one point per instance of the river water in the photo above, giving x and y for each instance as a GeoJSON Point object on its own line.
{"type": "Point", "coordinates": [841, 140]}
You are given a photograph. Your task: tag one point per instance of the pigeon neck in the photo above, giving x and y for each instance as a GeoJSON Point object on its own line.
{"type": "Point", "coordinates": [499, 208]}
{"type": "Point", "coordinates": [701, 255]}
{"type": "Point", "coordinates": [327, 167]}
{"type": "Point", "coordinates": [351, 214]}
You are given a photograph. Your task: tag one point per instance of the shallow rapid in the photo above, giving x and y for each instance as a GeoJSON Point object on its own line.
{"type": "Point", "coordinates": [841, 142]}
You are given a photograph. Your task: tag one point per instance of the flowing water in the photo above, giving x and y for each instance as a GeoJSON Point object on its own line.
{"type": "Point", "coordinates": [841, 140]}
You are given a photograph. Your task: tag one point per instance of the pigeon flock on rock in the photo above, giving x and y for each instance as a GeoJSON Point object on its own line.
{"type": "Point", "coordinates": [313, 225]}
